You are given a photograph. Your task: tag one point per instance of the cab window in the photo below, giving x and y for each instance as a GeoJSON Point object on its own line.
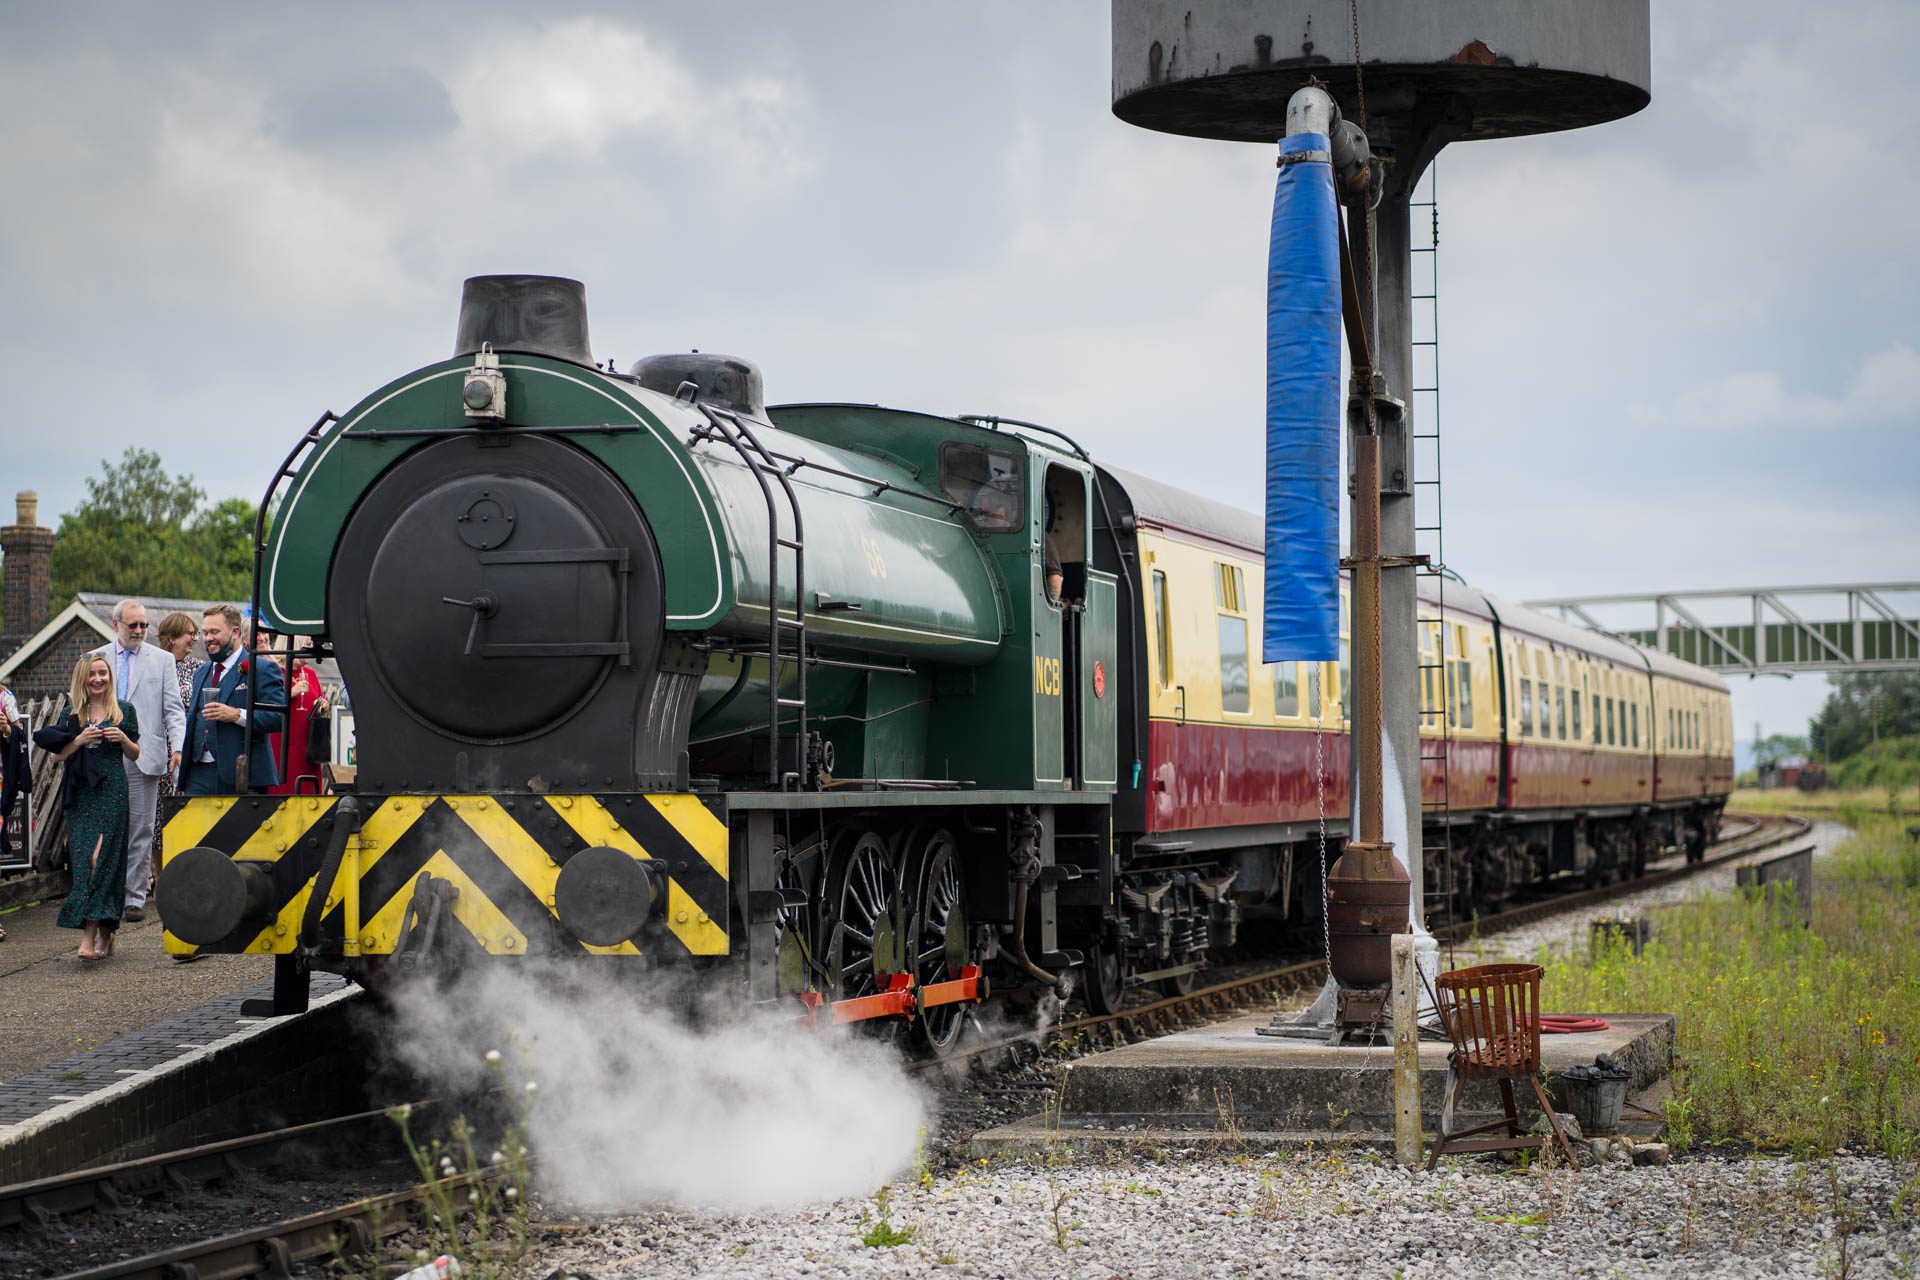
{"type": "Point", "coordinates": [987, 485]}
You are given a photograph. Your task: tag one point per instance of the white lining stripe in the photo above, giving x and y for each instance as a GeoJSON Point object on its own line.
{"type": "Point", "coordinates": [273, 578]}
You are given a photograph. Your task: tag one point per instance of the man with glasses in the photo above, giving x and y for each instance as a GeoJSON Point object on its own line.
{"type": "Point", "coordinates": [143, 674]}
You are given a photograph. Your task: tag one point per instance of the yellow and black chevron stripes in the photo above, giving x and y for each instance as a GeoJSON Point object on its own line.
{"type": "Point", "coordinates": [503, 854]}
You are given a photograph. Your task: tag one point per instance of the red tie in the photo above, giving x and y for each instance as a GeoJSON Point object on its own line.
{"type": "Point", "coordinates": [218, 667]}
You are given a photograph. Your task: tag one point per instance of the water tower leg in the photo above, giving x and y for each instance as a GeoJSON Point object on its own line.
{"type": "Point", "coordinates": [1400, 673]}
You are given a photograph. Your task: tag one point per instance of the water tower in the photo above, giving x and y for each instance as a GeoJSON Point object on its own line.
{"type": "Point", "coordinates": [1416, 75]}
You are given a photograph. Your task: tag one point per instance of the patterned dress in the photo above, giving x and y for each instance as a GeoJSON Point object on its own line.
{"type": "Point", "coordinates": [99, 815]}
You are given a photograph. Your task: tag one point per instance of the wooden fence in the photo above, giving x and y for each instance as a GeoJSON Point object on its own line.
{"type": "Point", "coordinates": [37, 827]}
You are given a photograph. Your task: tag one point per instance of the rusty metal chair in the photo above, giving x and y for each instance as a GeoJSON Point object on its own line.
{"type": "Point", "coordinates": [1492, 1015]}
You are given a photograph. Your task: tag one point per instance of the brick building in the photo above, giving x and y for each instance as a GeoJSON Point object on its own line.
{"type": "Point", "coordinates": [43, 666]}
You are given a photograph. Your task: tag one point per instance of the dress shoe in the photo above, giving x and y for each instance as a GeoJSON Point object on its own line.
{"type": "Point", "coordinates": [134, 915]}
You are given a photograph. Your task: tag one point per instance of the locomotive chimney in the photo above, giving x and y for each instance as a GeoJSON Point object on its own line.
{"type": "Point", "coordinates": [537, 315]}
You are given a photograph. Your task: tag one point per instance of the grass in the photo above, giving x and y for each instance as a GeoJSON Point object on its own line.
{"type": "Point", "coordinates": [1849, 806]}
{"type": "Point", "coordinates": [1790, 1037]}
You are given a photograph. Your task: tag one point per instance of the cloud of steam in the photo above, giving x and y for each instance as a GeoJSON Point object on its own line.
{"type": "Point", "coordinates": [634, 1106]}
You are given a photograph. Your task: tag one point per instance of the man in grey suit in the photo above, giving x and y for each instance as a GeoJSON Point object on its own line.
{"type": "Point", "coordinates": [143, 675]}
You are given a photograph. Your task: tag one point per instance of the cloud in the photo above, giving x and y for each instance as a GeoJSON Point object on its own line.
{"type": "Point", "coordinates": [1885, 388]}
{"type": "Point", "coordinates": [583, 84]}
{"type": "Point", "coordinates": [365, 107]}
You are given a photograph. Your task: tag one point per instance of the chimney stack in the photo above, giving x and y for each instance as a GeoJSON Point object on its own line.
{"type": "Point", "coordinates": [28, 570]}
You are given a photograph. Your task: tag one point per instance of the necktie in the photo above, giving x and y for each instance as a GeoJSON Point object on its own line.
{"type": "Point", "coordinates": [213, 691]}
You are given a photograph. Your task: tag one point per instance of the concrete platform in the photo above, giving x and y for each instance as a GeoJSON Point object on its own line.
{"type": "Point", "coordinates": [1225, 1084]}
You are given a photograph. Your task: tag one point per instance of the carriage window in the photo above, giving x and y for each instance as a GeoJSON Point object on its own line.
{"type": "Point", "coordinates": [1526, 707]}
{"type": "Point", "coordinates": [1577, 735]}
{"type": "Point", "coordinates": [1560, 711]}
{"type": "Point", "coordinates": [1162, 629]}
{"type": "Point", "coordinates": [1462, 703]}
{"type": "Point", "coordinates": [986, 484]}
{"type": "Point", "coordinates": [1235, 689]}
{"type": "Point", "coordinates": [1613, 735]}
{"type": "Point", "coordinates": [1286, 689]}
{"type": "Point", "coordinates": [1635, 722]}
{"type": "Point", "coordinates": [1313, 690]}
{"type": "Point", "coordinates": [1596, 719]}
{"type": "Point", "coordinates": [1346, 678]}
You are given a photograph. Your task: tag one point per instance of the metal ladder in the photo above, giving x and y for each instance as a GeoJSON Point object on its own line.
{"type": "Point", "coordinates": [766, 467]}
{"type": "Point", "coordinates": [1428, 532]}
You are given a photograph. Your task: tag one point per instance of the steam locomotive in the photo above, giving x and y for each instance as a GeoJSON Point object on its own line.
{"type": "Point", "coordinates": [864, 709]}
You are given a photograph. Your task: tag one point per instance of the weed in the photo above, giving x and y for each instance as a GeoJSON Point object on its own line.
{"type": "Point", "coordinates": [1061, 1228]}
{"type": "Point", "coordinates": [482, 1220]}
{"type": "Point", "coordinates": [1227, 1121]}
{"type": "Point", "coordinates": [881, 1233]}
{"type": "Point", "coordinates": [69, 1075]}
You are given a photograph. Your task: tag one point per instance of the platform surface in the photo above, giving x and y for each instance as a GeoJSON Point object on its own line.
{"type": "Point", "coordinates": [69, 1029]}
{"type": "Point", "coordinates": [1192, 1087]}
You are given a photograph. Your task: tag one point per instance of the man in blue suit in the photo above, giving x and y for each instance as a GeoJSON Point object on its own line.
{"type": "Point", "coordinates": [217, 712]}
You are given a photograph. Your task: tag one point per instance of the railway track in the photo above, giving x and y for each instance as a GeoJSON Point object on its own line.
{"type": "Point", "coordinates": [1757, 832]}
{"type": "Point", "coordinates": [354, 1230]}
{"type": "Point", "coordinates": [350, 1230]}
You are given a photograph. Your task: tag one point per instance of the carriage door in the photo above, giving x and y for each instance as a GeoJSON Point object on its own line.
{"type": "Point", "coordinates": [1063, 555]}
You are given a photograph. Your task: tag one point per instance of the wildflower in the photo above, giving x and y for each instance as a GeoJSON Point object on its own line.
{"type": "Point", "coordinates": [513, 1193]}
{"type": "Point", "coordinates": [532, 1088]}
{"type": "Point", "coordinates": [497, 1158]}
{"type": "Point", "coordinates": [493, 1057]}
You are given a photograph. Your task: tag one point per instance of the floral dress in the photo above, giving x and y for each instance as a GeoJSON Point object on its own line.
{"type": "Point", "coordinates": [97, 815]}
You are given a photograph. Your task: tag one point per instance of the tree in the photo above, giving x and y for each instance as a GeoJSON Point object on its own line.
{"type": "Point", "coordinates": [142, 531]}
{"type": "Point", "coordinates": [1864, 708]}
{"type": "Point", "coordinates": [1775, 747]}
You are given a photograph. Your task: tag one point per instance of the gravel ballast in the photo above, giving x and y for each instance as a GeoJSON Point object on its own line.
{"type": "Point", "coordinates": [1303, 1214]}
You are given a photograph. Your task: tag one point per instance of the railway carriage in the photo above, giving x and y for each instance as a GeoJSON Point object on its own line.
{"type": "Point", "coordinates": [867, 709]}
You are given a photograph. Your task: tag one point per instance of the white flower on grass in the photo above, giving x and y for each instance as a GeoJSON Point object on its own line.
{"type": "Point", "coordinates": [513, 1193]}
{"type": "Point", "coordinates": [532, 1087]}
{"type": "Point", "coordinates": [497, 1157]}
{"type": "Point", "coordinates": [493, 1057]}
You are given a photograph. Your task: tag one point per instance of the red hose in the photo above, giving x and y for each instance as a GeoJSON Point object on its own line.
{"type": "Point", "coordinates": [1566, 1024]}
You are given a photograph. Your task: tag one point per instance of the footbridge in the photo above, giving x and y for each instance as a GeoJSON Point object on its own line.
{"type": "Point", "coordinates": [1765, 630]}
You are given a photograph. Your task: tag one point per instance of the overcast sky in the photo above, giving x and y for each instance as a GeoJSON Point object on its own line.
{"type": "Point", "coordinates": [1678, 350]}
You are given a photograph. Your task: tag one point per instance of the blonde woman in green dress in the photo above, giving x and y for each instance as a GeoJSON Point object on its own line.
{"type": "Point", "coordinates": [102, 729]}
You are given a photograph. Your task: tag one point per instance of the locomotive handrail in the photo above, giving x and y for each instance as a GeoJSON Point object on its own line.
{"type": "Point", "coordinates": [993, 422]}
{"type": "Point", "coordinates": [241, 766]}
{"type": "Point", "coordinates": [700, 434]}
{"type": "Point", "coordinates": [745, 443]}
{"type": "Point", "coordinates": [424, 433]}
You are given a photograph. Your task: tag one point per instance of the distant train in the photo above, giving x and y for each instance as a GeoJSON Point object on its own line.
{"type": "Point", "coordinates": [867, 709]}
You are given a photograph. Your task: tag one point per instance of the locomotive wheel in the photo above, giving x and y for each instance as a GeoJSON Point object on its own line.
{"type": "Point", "coordinates": [937, 934]}
{"type": "Point", "coordinates": [863, 934]}
{"type": "Point", "coordinates": [1104, 979]}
